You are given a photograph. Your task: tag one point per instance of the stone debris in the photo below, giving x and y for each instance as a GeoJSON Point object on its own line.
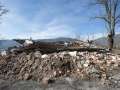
{"type": "Point", "coordinates": [28, 42]}
{"type": "Point", "coordinates": [3, 52]}
{"type": "Point", "coordinates": [115, 80]}
{"type": "Point", "coordinates": [80, 65]}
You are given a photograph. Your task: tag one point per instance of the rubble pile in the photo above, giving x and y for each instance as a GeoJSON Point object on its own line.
{"type": "Point", "coordinates": [80, 65]}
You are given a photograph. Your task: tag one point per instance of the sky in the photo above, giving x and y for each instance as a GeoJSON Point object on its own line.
{"type": "Point", "coordinates": [43, 19]}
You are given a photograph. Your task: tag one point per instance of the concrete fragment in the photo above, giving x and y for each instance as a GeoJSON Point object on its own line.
{"type": "Point", "coordinates": [44, 56]}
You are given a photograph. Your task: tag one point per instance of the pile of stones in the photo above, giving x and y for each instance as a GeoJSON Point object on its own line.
{"type": "Point", "coordinates": [80, 65]}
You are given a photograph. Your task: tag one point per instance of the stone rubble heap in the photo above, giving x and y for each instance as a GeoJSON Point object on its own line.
{"type": "Point", "coordinates": [80, 65]}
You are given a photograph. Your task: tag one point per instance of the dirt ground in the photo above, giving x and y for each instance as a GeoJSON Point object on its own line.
{"type": "Point", "coordinates": [57, 85]}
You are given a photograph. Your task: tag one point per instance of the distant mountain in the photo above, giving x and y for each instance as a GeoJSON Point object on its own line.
{"type": "Point", "coordinates": [104, 42]}
{"type": "Point", "coordinates": [5, 44]}
{"type": "Point", "coordinates": [60, 39]}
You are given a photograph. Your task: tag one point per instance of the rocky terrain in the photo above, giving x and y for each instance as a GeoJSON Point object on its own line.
{"type": "Point", "coordinates": [77, 69]}
{"type": "Point", "coordinates": [95, 66]}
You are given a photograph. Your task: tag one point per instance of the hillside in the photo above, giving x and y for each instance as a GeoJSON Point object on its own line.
{"type": "Point", "coordinates": [60, 39]}
{"type": "Point", "coordinates": [57, 39]}
{"type": "Point", "coordinates": [4, 44]}
{"type": "Point", "coordinates": [103, 41]}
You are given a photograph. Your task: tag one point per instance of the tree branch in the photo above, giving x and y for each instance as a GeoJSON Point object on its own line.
{"type": "Point", "coordinates": [2, 10]}
{"type": "Point", "coordinates": [117, 19]}
{"type": "Point", "coordinates": [103, 18]}
{"type": "Point", "coordinates": [116, 3]}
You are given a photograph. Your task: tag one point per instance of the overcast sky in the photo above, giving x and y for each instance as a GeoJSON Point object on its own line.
{"type": "Point", "coordinates": [50, 19]}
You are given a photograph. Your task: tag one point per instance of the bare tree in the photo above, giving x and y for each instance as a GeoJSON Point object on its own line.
{"type": "Point", "coordinates": [3, 10]}
{"type": "Point", "coordinates": [111, 17]}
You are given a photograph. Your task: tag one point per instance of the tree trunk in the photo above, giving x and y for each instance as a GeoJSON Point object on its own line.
{"type": "Point", "coordinates": [110, 41]}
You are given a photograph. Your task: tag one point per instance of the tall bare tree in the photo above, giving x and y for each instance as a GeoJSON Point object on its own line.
{"type": "Point", "coordinates": [111, 17]}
